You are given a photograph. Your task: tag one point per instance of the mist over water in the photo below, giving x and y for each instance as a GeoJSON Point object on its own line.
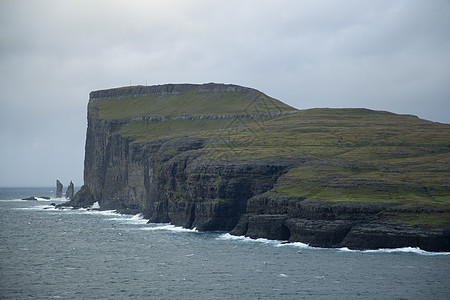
{"type": "Point", "coordinates": [80, 254]}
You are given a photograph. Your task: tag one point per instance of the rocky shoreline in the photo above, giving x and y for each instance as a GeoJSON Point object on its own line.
{"type": "Point", "coordinates": [175, 179]}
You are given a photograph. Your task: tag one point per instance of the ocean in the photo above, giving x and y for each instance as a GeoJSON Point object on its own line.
{"type": "Point", "coordinates": [47, 253]}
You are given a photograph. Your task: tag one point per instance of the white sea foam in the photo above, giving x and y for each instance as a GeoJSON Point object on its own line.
{"type": "Point", "coordinates": [12, 200]}
{"type": "Point", "coordinates": [167, 227]}
{"type": "Point", "coordinates": [95, 205]}
{"type": "Point", "coordinates": [100, 212]}
{"type": "Point", "coordinates": [36, 207]}
{"type": "Point", "coordinates": [69, 210]}
{"type": "Point", "coordinates": [296, 244]}
{"type": "Point", "coordinates": [415, 250]}
{"type": "Point", "coordinates": [227, 236]}
{"type": "Point", "coordinates": [38, 199]}
{"type": "Point", "coordinates": [129, 219]}
{"type": "Point", "coordinates": [116, 216]}
{"type": "Point", "coordinates": [139, 220]}
{"type": "Point", "coordinates": [275, 243]}
{"type": "Point", "coordinates": [50, 200]}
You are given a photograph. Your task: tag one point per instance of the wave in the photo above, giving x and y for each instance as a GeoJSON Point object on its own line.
{"type": "Point", "coordinates": [415, 250]}
{"type": "Point", "coordinates": [168, 227]}
{"type": "Point", "coordinates": [278, 243]}
{"type": "Point", "coordinates": [297, 245]}
{"type": "Point", "coordinates": [230, 237]}
{"type": "Point", "coordinates": [70, 210]}
{"type": "Point", "coordinates": [12, 200]}
{"type": "Point", "coordinates": [99, 212]}
{"type": "Point", "coordinates": [36, 207]}
{"type": "Point", "coordinates": [38, 199]}
{"type": "Point", "coordinates": [129, 219]}
{"type": "Point", "coordinates": [48, 200]}
{"type": "Point", "coordinates": [138, 219]}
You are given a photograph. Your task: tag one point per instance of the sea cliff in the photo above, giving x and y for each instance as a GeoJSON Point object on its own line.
{"type": "Point", "coordinates": [226, 157]}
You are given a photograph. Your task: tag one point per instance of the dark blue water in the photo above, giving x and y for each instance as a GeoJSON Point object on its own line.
{"type": "Point", "coordinates": [78, 254]}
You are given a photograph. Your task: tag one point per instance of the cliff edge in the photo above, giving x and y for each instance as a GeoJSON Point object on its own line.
{"type": "Point", "coordinates": [226, 157]}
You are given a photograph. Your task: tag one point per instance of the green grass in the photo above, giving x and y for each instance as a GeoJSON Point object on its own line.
{"type": "Point", "coordinates": [343, 154]}
{"type": "Point", "coordinates": [191, 102]}
{"type": "Point", "coordinates": [144, 131]}
{"type": "Point", "coordinates": [428, 219]}
{"type": "Point", "coordinates": [366, 153]}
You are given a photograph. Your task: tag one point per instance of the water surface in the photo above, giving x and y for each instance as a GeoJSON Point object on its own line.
{"type": "Point", "coordinates": [78, 254]}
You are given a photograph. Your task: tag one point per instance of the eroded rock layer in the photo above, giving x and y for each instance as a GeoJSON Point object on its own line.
{"type": "Point", "coordinates": [224, 157]}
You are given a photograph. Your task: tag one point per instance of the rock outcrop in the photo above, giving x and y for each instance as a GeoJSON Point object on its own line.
{"type": "Point", "coordinates": [59, 189]}
{"type": "Point", "coordinates": [82, 199]}
{"type": "Point", "coordinates": [70, 191]}
{"type": "Point", "coordinates": [198, 180]}
{"type": "Point", "coordinates": [353, 225]}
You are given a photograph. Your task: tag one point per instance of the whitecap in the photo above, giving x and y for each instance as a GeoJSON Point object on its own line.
{"type": "Point", "coordinates": [12, 200]}
{"type": "Point", "coordinates": [70, 210]}
{"type": "Point", "coordinates": [36, 207]}
{"type": "Point", "coordinates": [296, 244]}
{"type": "Point", "coordinates": [168, 227]}
{"type": "Point", "coordinates": [95, 206]}
{"type": "Point", "coordinates": [101, 212]}
{"type": "Point", "coordinates": [415, 250]}
{"type": "Point", "coordinates": [137, 219]}
{"type": "Point", "coordinates": [51, 199]}
{"type": "Point", "coordinates": [345, 249]}
{"type": "Point", "coordinates": [116, 216]}
{"type": "Point", "coordinates": [277, 243]}
{"type": "Point", "coordinates": [130, 219]}
{"type": "Point", "coordinates": [42, 199]}
{"type": "Point", "coordinates": [227, 236]}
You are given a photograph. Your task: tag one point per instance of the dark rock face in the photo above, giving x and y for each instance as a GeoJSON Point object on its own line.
{"type": "Point", "coordinates": [82, 199]}
{"type": "Point", "coordinates": [59, 189]}
{"type": "Point", "coordinates": [70, 191]}
{"type": "Point", "coordinates": [352, 225]}
{"type": "Point", "coordinates": [345, 224]}
{"type": "Point", "coordinates": [377, 234]}
{"type": "Point", "coordinates": [169, 180]}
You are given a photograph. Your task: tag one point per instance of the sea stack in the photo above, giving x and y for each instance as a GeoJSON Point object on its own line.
{"type": "Point", "coordinates": [59, 189]}
{"type": "Point", "coordinates": [69, 191]}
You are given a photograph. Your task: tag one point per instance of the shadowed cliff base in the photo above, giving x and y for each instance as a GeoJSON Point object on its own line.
{"type": "Point", "coordinates": [225, 157]}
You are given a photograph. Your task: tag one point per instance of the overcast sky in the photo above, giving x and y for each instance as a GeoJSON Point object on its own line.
{"type": "Point", "coordinates": [387, 55]}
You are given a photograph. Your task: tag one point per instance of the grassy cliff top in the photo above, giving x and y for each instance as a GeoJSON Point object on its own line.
{"type": "Point", "coordinates": [184, 99]}
{"type": "Point", "coordinates": [339, 155]}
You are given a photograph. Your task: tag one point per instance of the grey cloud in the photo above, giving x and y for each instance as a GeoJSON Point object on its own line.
{"type": "Point", "coordinates": [390, 55]}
